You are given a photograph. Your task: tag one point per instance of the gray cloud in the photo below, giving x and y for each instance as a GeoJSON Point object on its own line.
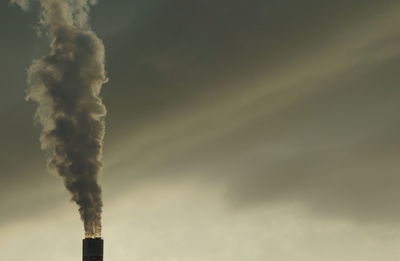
{"type": "Point", "coordinates": [168, 60]}
{"type": "Point", "coordinates": [329, 143]}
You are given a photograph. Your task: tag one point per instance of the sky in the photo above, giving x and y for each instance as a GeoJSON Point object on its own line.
{"type": "Point", "coordinates": [236, 130]}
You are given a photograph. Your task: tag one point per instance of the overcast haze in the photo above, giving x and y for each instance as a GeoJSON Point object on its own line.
{"type": "Point", "coordinates": [236, 130]}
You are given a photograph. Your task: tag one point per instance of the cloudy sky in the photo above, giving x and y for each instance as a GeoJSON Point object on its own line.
{"type": "Point", "coordinates": [237, 130]}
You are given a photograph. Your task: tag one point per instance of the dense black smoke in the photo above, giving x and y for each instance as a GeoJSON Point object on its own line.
{"type": "Point", "coordinates": [66, 84]}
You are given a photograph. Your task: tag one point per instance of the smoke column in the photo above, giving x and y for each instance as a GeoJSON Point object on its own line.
{"type": "Point", "coordinates": [66, 84]}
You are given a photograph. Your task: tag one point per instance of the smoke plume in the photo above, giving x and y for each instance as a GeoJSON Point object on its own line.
{"type": "Point", "coordinates": [66, 84]}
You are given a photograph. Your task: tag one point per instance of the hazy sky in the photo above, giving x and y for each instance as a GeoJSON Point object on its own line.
{"type": "Point", "coordinates": [237, 130]}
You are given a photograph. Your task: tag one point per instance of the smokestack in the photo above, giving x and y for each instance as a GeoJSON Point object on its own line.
{"type": "Point", "coordinates": [92, 249]}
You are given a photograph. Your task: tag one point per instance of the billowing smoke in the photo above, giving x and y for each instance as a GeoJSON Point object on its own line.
{"type": "Point", "coordinates": [66, 84]}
